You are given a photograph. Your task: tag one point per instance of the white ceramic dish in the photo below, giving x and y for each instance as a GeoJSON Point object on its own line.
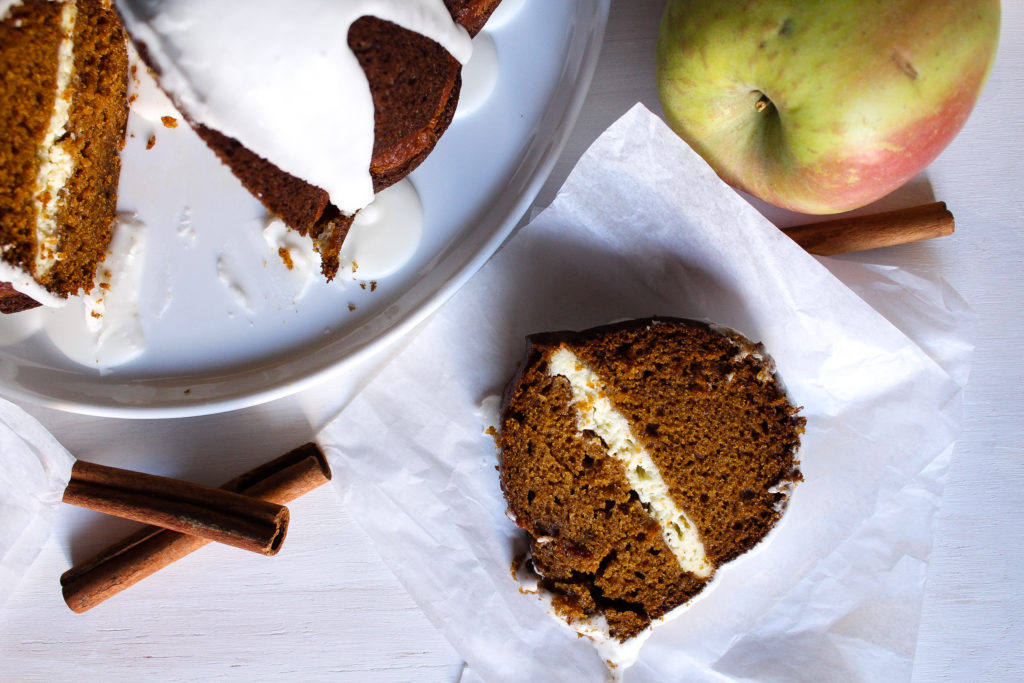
{"type": "Point", "coordinates": [209, 350]}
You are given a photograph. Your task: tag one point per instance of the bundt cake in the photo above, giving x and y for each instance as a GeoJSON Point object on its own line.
{"type": "Point", "coordinates": [285, 105]}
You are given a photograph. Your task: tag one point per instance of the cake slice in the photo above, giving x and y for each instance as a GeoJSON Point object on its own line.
{"type": "Point", "coordinates": [314, 164]}
{"type": "Point", "coordinates": [639, 458]}
{"type": "Point", "coordinates": [63, 107]}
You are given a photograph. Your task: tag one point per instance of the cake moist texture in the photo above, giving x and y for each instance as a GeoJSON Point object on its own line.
{"type": "Point", "coordinates": [640, 457]}
{"type": "Point", "coordinates": [63, 109]}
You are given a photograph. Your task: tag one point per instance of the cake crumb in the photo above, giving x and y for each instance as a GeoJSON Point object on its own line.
{"type": "Point", "coordinates": [151, 142]}
{"type": "Point", "coordinates": [169, 121]}
{"type": "Point", "coordinates": [286, 257]}
{"type": "Point", "coordinates": [351, 307]}
{"type": "Point", "coordinates": [493, 432]}
{"type": "Point", "coordinates": [517, 562]}
{"type": "Point", "coordinates": [373, 285]}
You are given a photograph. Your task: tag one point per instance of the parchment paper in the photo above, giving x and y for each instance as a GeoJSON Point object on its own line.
{"type": "Point", "coordinates": [34, 471]}
{"type": "Point", "coordinates": [641, 227]}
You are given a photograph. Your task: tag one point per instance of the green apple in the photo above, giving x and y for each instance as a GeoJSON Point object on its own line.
{"type": "Point", "coordinates": [821, 106]}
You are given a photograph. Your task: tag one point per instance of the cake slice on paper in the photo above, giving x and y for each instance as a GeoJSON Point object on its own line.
{"type": "Point", "coordinates": [640, 457]}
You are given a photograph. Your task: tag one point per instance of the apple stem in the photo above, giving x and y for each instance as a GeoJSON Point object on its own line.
{"type": "Point", "coordinates": [762, 103]}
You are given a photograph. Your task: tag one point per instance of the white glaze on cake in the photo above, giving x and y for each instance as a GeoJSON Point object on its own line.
{"type": "Point", "coordinates": [385, 234]}
{"type": "Point", "coordinates": [147, 99]}
{"type": "Point", "coordinates": [102, 329]}
{"type": "Point", "coordinates": [26, 284]}
{"type": "Point", "coordinates": [595, 412]}
{"type": "Point", "coordinates": [295, 252]}
{"type": "Point", "coordinates": [617, 654]}
{"type": "Point", "coordinates": [282, 79]}
{"type": "Point", "coordinates": [382, 239]}
{"type": "Point", "coordinates": [479, 75]}
{"type": "Point", "coordinates": [488, 411]}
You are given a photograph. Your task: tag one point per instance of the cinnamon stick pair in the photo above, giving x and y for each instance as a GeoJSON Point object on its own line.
{"type": "Point", "coordinates": [262, 490]}
{"type": "Point", "coordinates": [213, 514]}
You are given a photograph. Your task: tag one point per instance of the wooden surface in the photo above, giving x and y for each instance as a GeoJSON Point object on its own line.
{"type": "Point", "coordinates": [327, 609]}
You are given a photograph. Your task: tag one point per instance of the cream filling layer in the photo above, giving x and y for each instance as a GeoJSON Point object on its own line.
{"type": "Point", "coordinates": [595, 412]}
{"type": "Point", "coordinates": [56, 165]}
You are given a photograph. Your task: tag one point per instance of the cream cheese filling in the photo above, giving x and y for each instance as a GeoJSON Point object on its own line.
{"type": "Point", "coordinates": [595, 412]}
{"type": "Point", "coordinates": [56, 163]}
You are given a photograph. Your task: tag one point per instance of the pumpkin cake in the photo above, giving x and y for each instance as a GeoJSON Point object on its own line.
{"type": "Point", "coordinates": [639, 458]}
{"type": "Point", "coordinates": [63, 109]}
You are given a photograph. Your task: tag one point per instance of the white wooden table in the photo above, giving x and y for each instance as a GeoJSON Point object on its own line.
{"type": "Point", "coordinates": [327, 608]}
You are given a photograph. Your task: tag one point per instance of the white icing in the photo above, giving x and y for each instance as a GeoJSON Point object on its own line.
{"type": "Point", "coordinates": [229, 272]}
{"type": "Point", "coordinates": [786, 488]}
{"type": "Point", "coordinates": [281, 79]}
{"type": "Point", "coordinates": [102, 329]}
{"type": "Point", "coordinates": [479, 75]}
{"type": "Point", "coordinates": [146, 98]}
{"type": "Point", "coordinates": [489, 413]}
{"type": "Point", "coordinates": [384, 235]}
{"type": "Point", "coordinates": [56, 165]}
{"type": "Point", "coordinates": [26, 284]}
{"type": "Point", "coordinates": [595, 412]}
{"type": "Point", "coordinates": [617, 654]}
{"type": "Point", "coordinates": [186, 231]}
{"type": "Point", "coordinates": [302, 264]}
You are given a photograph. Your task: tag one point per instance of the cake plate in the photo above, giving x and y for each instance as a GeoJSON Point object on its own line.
{"type": "Point", "coordinates": [226, 326]}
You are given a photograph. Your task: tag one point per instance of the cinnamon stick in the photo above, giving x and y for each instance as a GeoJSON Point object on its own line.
{"type": "Point", "coordinates": [149, 550]}
{"type": "Point", "coordinates": [859, 233]}
{"type": "Point", "coordinates": [211, 513]}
